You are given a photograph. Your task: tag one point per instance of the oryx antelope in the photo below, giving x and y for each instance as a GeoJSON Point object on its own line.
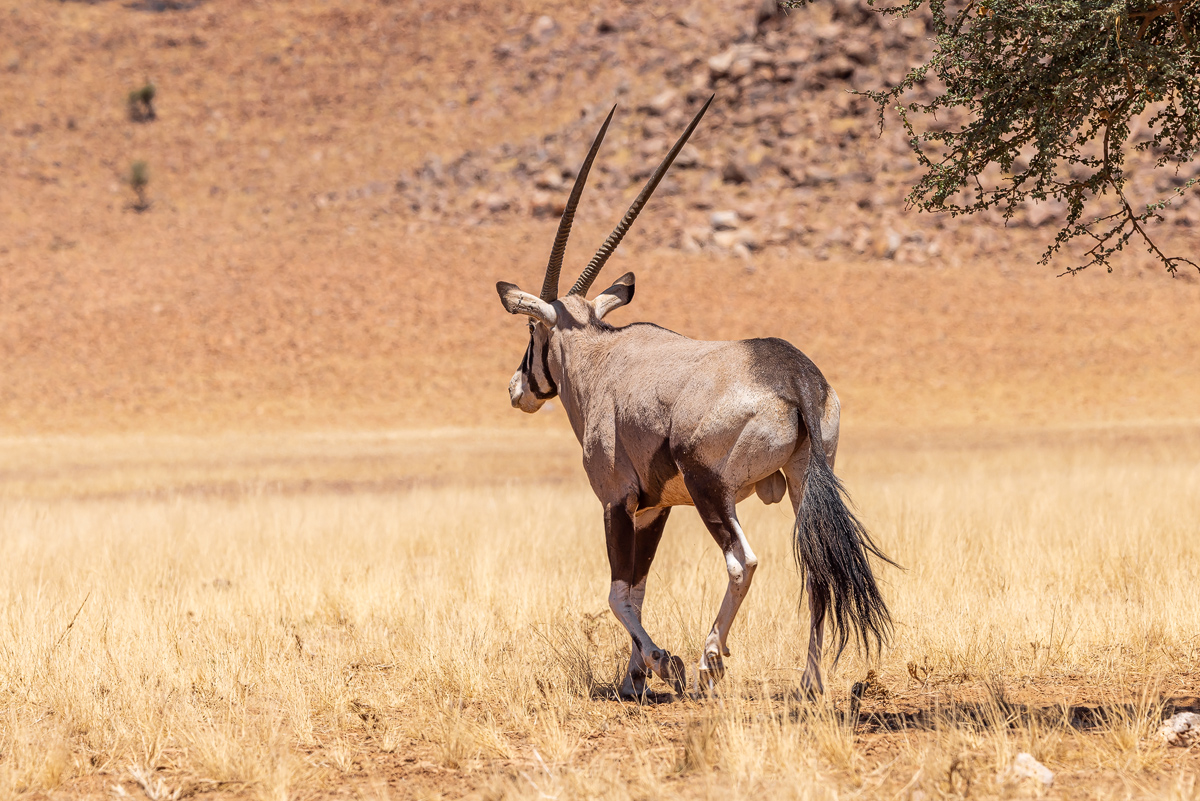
{"type": "Point", "coordinates": [667, 421]}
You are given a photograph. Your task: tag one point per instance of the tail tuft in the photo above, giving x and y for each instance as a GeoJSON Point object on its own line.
{"type": "Point", "coordinates": [833, 548]}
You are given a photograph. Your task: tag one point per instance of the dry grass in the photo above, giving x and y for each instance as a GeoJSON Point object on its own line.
{"type": "Point", "coordinates": [452, 638]}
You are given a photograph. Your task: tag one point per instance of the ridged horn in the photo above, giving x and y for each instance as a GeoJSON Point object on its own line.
{"type": "Point", "coordinates": [594, 266]}
{"type": "Point", "coordinates": [554, 266]}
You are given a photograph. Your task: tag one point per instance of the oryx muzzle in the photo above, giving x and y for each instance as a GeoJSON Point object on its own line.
{"type": "Point", "coordinates": [668, 421]}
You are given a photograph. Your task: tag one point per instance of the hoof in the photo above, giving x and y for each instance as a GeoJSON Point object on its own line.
{"type": "Point", "coordinates": [646, 697]}
{"type": "Point", "coordinates": [675, 674]}
{"type": "Point", "coordinates": [632, 690]}
{"type": "Point", "coordinates": [811, 695]}
{"type": "Point", "coordinates": [814, 689]}
{"type": "Point", "coordinates": [710, 673]}
{"type": "Point", "coordinates": [633, 696]}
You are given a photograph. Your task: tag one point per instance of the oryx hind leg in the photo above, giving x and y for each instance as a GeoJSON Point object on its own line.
{"type": "Point", "coordinates": [631, 549]}
{"type": "Point", "coordinates": [721, 520]}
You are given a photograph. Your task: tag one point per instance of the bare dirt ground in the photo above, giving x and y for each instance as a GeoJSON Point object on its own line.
{"type": "Point", "coordinates": [303, 327]}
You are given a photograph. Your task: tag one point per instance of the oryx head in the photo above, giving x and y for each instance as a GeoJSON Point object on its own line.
{"type": "Point", "coordinates": [532, 384]}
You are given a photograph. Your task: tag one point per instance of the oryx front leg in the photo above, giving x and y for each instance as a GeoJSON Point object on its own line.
{"type": "Point", "coordinates": [740, 562]}
{"type": "Point", "coordinates": [648, 528]}
{"type": "Point", "coordinates": [631, 549]}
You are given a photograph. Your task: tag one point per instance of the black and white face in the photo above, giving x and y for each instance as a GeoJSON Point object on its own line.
{"type": "Point", "coordinates": [532, 385]}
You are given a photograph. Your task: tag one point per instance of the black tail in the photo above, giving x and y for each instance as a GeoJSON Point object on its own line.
{"type": "Point", "coordinates": [833, 549]}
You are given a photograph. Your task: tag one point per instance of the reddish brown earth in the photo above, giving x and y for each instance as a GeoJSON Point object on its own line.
{"type": "Point", "coordinates": [246, 298]}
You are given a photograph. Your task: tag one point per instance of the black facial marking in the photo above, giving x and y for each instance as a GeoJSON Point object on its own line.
{"type": "Point", "coordinates": [538, 392]}
{"type": "Point", "coordinates": [525, 359]}
{"type": "Point", "coordinates": [531, 378]}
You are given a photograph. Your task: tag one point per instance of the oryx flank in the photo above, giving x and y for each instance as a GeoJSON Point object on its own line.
{"type": "Point", "coordinates": [667, 421]}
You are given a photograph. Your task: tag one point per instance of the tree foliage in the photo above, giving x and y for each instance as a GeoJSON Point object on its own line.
{"type": "Point", "coordinates": [1051, 90]}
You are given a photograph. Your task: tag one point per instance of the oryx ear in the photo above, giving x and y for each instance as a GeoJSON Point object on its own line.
{"type": "Point", "coordinates": [518, 302]}
{"type": "Point", "coordinates": [615, 296]}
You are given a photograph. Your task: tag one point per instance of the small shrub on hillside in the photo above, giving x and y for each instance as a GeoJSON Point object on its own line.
{"type": "Point", "coordinates": [138, 179]}
{"type": "Point", "coordinates": [141, 104]}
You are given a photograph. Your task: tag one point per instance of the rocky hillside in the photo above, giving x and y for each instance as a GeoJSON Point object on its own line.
{"type": "Point", "coordinates": [788, 155]}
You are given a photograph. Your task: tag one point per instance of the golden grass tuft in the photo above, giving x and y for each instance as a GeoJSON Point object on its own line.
{"type": "Point", "coordinates": [453, 638]}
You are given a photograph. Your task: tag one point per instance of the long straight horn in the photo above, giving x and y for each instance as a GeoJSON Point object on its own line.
{"type": "Point", "coordinates": [550, 285]}
{"type": "Point", "coordinates": [594, 266]}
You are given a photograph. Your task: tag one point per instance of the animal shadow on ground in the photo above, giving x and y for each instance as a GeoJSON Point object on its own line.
{"type": "Point", "coordinates": [155, 6]}
{"type": "Point", "coordinates": [610, 692]}
{"type": "Point", "coordinates": [997, 711]}
{"type": "Point", "coordinates": [158, 6]}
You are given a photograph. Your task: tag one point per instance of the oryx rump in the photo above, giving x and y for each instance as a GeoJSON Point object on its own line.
{"type": "Point", "coordinates": [667, 421]}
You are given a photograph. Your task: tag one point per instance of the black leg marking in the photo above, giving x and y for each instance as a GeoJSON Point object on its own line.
{"type": "Point", "coordinates": [619, 539]}
{"type": "Point", "coordinates": [646, 540]}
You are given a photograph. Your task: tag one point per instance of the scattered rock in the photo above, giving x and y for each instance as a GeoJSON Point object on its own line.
{"type": "Point", "coordinates": [661, 103]}
{"type": "Point", "coordinates": [1038, 214]}
{"type": "Point", "coordinates": [815, 176]}
{"type": "Point", "coordinates": [740, 68]}
{"type": "Point", "coordinates": [766, 12]}
{"type": "Point", "coordinates": [724, 220]}
{"type": "Point", "coordinates": [543, 28]}
{"type": "Point", "coordinates": [862, 239]}
{"type": "Point", "coordinates": [796, 56]}
{"type": "Point", "coordinates": [888, 244]}
{"type": "Point", "coordinates": [744, 167]}
{"type": "Point", "coordinates": [830, 32]}
{"type": "Point", "coordinates": [693, 239]}
{"type": "Point", "coordinates": [1182, 730]}
{"type": "Point", "coordinates": [549, 179]}
{"type": "Point", "coordinates": [738, 61]}
{"type": "Point", "coordinates": [495, 202]}
{"type": "Point", "coordinates": [783, 128]}
{"type": "Point", "coordinates": [544, 204]}
{"type": "Point", "coordinates": [688, 158]}
{"type": "Point", "coordinates": [760, 57]}
{"type": "Point", "coordinates": [1026, 767]}
{"type": "Point", "coordinates": [859, 50]}
{"type": "Point", "coordinates": [737, 172]}
{"type": "Point", "coordinates": [838, 68]}
{"type": "Point", "coordinates": [653, 147]}
{"type": "Point", "coordinates": [729, 240]}
{"type": "Point", "coordinates": [719, 65]}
